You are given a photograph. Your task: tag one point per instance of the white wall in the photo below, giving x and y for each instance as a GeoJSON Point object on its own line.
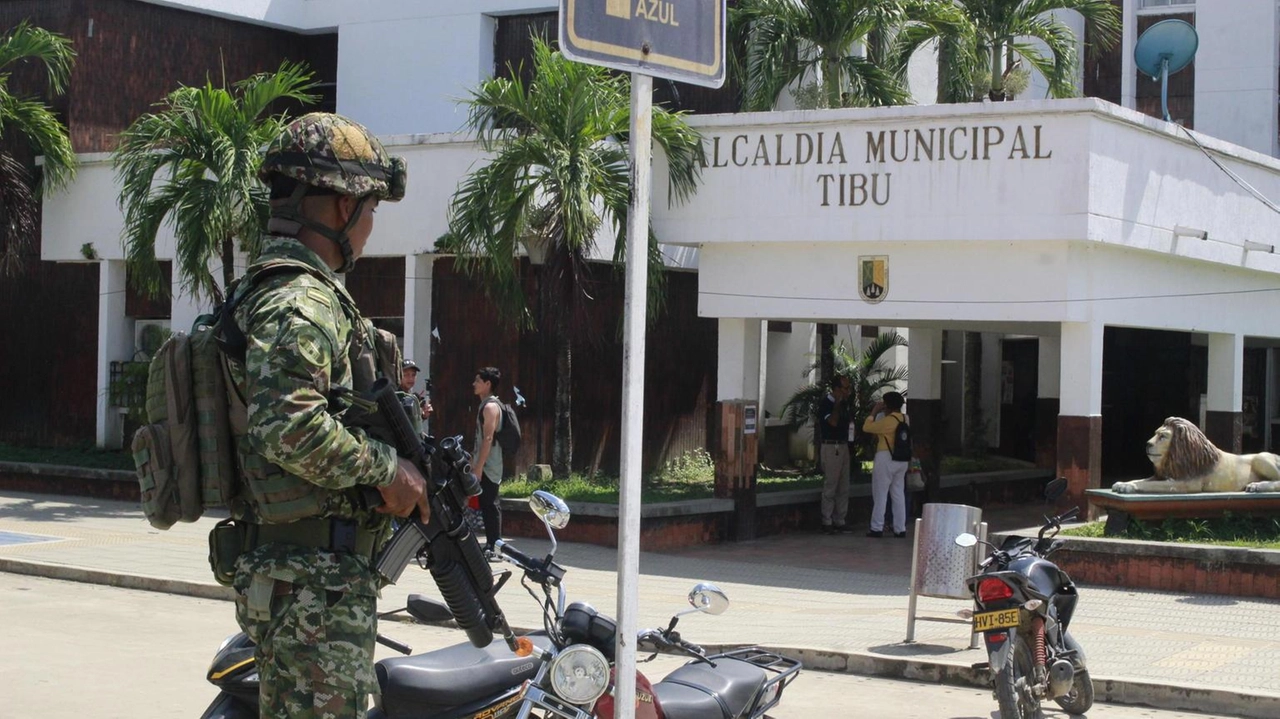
{"type": "Point", "coordinates": [1235, 71]}
{"type": "Point", "coordinates": [406, 76]}
{"type": "Point", "coordinates": [790, 356]}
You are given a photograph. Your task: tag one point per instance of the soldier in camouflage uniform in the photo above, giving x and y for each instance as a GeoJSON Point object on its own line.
{"type": "Point", "coordinates": [306, 590]}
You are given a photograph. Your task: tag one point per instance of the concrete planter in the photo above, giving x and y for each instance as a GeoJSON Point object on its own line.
{"type": "Point", "coordinates": [1170, 567]}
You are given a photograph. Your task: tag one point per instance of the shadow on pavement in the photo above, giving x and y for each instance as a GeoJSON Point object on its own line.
{"type": "Point", "coordinates": [35, 508]}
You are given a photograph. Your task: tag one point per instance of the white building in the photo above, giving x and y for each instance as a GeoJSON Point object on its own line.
{"type": "Point", "coordinates": [1042, 222]}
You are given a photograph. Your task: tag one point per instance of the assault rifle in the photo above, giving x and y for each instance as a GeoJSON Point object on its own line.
{"type": "Point", "coordinates": [452, 553]}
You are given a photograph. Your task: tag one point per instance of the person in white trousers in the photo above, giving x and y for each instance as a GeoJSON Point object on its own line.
{"type": "Point", "coordinates": [888, 476]}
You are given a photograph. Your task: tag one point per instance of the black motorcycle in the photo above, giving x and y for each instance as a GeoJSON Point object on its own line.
{"type": "Point", "coordinates": [1024, 604]}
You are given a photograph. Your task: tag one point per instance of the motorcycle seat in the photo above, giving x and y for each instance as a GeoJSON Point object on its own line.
{"type": "Point", "coordinates": [699, 690]}
{"type": "Point", "coordinates": [424, 684]}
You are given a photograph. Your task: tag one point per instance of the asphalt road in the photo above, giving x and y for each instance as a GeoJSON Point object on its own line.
{"type": "Point", "coordinates": [73, 650]}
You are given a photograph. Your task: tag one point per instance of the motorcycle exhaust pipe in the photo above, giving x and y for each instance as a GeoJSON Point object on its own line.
{"type": "Point", "coordinates": [1061, 678]}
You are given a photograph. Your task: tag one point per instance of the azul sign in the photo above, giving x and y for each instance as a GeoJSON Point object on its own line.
{"type": "Point", "coordinates": [674, 39]}
{"type": "Point", "coordinates": [853, 169]}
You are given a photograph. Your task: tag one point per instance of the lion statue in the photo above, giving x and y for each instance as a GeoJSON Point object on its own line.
{"type": "Point", "coordinates": [1186, 461]}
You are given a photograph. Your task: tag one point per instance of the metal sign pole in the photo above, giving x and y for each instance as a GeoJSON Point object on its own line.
{"type": "Point", "coordinates": [634, 322]}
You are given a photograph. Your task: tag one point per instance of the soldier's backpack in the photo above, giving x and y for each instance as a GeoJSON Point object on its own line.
{"type": "Point", "coordinates": [901, 451]}
{"type": "Point", "coordinates": [508, 435]}
{"type": "Point", "coordinates": [185, 456]}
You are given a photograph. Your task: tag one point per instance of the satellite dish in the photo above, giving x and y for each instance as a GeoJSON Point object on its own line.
{"type": "Point", "coordinates": [1165, 48]}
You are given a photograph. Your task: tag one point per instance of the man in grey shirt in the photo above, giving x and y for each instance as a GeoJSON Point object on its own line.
{"type": "Point", "coordinates": [486, 458]}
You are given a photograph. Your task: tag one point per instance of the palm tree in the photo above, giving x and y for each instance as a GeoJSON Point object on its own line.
{"type": "Point", "coordinates": [870, 371]}
{"type": "Point", "coordinates": [811, 43]}
{"type": "Point", "coordinates": [979, 54]}
{"type": "Point", "coordinates": [559, 173]}
{"type": "Point", "coordinates": [31, 119]}
{"type": "Point", "coordinates": [194, 164]}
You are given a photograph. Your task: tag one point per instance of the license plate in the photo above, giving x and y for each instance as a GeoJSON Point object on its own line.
{"type": "Point", "coordinates": [1003, 619]}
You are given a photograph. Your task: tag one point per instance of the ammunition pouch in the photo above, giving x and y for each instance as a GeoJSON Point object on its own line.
{"type": "Point", "coordinates": [227, 541]}
{"type": "Point", "coordinates": [326, 533]}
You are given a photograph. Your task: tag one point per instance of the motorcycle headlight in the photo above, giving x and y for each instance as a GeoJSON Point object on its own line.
{"type": "Point", "coordinates": [580, 674]}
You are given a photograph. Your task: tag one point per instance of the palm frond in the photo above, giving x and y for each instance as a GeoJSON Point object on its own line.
{"type": "Point", "coordinates": [18, 214]}
{"type": "Point", "coordinates": [54, 51]}
{"type": "Point", "coordinates": [193, 163]}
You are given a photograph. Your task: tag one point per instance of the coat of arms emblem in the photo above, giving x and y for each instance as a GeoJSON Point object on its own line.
{"type": "Point", "coordinates": [873, 277]}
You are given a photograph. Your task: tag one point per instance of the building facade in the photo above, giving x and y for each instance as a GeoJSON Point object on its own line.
{"type": "Point", "coordinates": [1072, 235]}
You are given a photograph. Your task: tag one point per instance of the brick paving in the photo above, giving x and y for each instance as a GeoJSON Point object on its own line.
{"type": "Point", "coordinates": [843, 593]}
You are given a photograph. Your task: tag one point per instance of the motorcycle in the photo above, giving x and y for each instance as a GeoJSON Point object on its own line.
{"type": "Point", "coordinates": [563, 671]}
{"type": "Point", "coordinates": [575, 674]}
{"type": "Point", "coordinates": [1023, 608]}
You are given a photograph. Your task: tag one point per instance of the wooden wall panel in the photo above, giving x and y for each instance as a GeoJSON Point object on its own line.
{"type": "Point", "coordinates": [679, 378]}
{"type": "Point", "coordinates": [130, 54]}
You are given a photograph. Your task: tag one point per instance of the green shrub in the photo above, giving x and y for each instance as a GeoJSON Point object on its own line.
{"type": "Point", "coordinates": [1230, 530]}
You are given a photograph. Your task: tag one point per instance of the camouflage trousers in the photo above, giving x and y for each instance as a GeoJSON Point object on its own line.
{"type": "Point", "coordinates": [314, 625]}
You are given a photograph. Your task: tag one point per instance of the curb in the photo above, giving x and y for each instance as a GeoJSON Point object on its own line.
{"type": "Point", "coordinates": [1112, 690]}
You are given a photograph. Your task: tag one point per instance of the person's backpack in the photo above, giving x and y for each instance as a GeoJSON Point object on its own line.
{"type": "Point", "coordinates": [508, 435]}
{"type": "Point", "coordinates": [901, 451]}
{"type": "Point", "coordinates": [185, 456]}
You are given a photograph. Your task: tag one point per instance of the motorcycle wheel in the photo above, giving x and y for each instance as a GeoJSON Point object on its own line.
{"type": "Point", "coordinates": [1013, 691]}
{"type": "Point", "coordinates": [1080, 700]}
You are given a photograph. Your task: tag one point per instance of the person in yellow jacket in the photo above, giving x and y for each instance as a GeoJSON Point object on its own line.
{"type": "Point", "coordinates": [888, 477]}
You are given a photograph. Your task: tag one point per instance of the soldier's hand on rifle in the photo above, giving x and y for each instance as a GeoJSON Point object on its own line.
{"type": "Point", "coordinates": [407, 491]}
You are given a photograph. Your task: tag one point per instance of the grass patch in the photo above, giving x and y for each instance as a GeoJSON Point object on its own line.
{"type": "Point", "coordinates": [70, 456]}
{"type": "Point", "coordinates": [690, 476]}
{"type": "Point", "coordinates": [1229, 531]}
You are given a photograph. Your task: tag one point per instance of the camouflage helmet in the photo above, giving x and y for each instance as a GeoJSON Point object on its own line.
{"type": "Point", "coordinates": [329, 151]}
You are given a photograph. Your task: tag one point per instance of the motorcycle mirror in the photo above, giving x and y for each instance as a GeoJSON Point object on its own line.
{"type": "Point", "coordinates": [708, 599]}
{"type": "Point", "coordinates": [549, 508]}
{"type": "Point", "coordinates": [966, 540]}
{"type": "Point", "coordinates": [427, 610]}
{"type": "Point", "coordinates": [1055, 489]}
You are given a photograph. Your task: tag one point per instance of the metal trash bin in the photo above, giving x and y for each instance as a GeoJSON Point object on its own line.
{"type": "Point", "coordinates": [939, 566]}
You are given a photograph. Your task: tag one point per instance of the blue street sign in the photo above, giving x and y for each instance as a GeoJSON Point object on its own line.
{"type": "Point", "coordinates": [674, 39]}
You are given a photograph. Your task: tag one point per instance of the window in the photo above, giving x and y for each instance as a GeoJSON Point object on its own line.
{"type": "Point", "coordinates": [1148, 4]}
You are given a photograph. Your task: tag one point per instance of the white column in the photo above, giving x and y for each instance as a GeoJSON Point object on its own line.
{"type": "Point", "coordinates": [1235, 71]}
{"type": "Point", "coordinates": [924, 364]}
{"type": "Point", "coordinates": [1128, 70]}
{"type": "Point", "coordinates": [1081, 369]}
{"type": "Point", "coordinates": [184, 309]}
{"type": "Point", "coordinates": [1226, 372]}
{"type": "Point", "coordinates": [763, 370]}
{"type": "Point", "coordinates": [115, 343]}
{"type": "Point", "coordinates": [1049, 377]}
{"type": "Point", "coordinates": [417, 311]}
{"type": "Point", "coordinates": [738, 364]}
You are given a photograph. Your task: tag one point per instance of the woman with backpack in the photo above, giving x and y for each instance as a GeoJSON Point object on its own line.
{"type": "Point", "coordinates": [893, 457]}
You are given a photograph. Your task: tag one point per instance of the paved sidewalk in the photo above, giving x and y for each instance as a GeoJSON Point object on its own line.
{"type": "Point", "coordinates": [839, 602]}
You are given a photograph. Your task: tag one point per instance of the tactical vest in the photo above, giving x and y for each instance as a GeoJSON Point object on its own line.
{"type": "Point", "coordinates": [275, 495]}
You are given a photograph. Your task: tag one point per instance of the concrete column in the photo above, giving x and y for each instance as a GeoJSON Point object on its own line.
{"type": "Point", "coordinates": [1080, 415]}
{"type": "Point", "coordinates": [115, 343]}
{"type": "Point", "coordinates": [418, 276]}
{"type": "Point", "coordinates": [737, 384]}
{"type": "Point", "coordinates": [1237, 59]}
{"type": "Point", "coordinates": [1128, 69]}
{"type": "Point", "coordinates": [924, 405]}
{"type": "Point", "coordinates": [1224, 421]}
{"type": "Point", "coordinates": [184, 309]}
{"type": "Point", "coordinates": [1048, 404]}
{"type": "Point", "coordinates": [738, 368]}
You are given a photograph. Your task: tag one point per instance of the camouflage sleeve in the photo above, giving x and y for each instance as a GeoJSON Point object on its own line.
{"type": "Point", "coordinates": [287, 367]}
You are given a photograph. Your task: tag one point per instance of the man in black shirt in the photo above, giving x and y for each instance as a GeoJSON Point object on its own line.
{"type": "Point", "coordinates": [833, 427]}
